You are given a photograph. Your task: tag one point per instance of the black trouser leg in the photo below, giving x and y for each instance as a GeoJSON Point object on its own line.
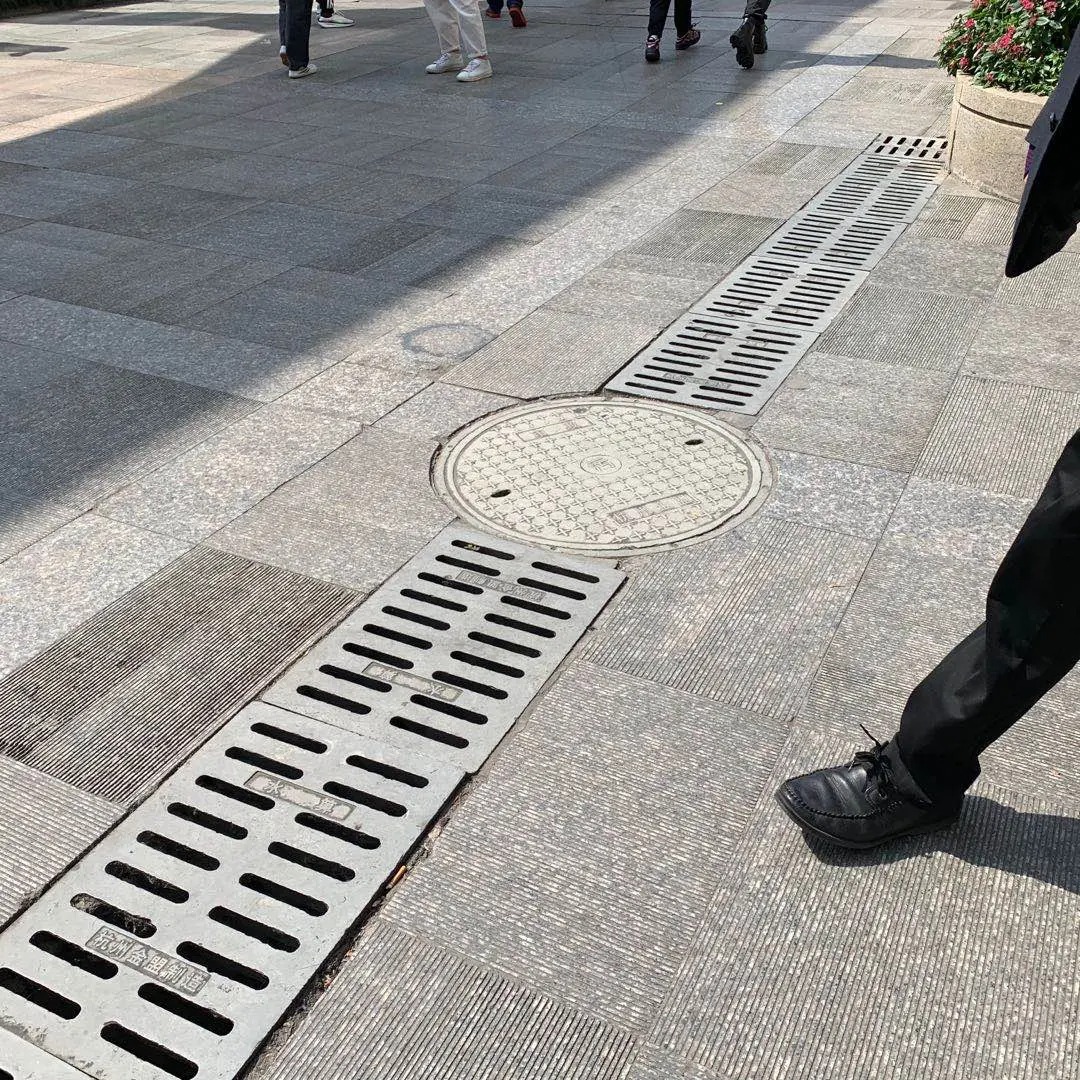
{"type": "Point", "coordinates": [683, 16]}
{"type": "Point", "coordinates": [1029, 641]}
{"type": "Point", "coordinates": [658, 13]}
{"type": "Point", "coordinates": [294, 25]}
{"type": "Point", "coordinates": [756, 9]}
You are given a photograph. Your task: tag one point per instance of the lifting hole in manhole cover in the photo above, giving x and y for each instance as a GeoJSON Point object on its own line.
{"type": "Point", "coordinates": [602, 476]}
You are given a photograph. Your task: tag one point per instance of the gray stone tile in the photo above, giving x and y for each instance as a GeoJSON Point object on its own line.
{"type": "Point", "coordinates": [441, 409]}
{"type": "Point", "coordinates": [855, 410]}
{"type": "Point", "coordinates": [1053, 284]}
{"type": "Point", "coordinates": [65, 149]}
{"type": "Point", "coordinates": [743, 619]}
{"type": "Point", "coordinates": [44, 826]}
{"type": "Point", "coordinates": [237, 367]}
{"type": "Point", "coordinates": [993, 225]}
{"type": "Point", "coordinates": [204, 489]}
{"type": "Point", "coordinates": [1023, 345]}
{"type": "Point", "coordinates": [743, 193]}
{"type": "Point", "coordinates": [892, 935]}
{"type": "Point", "coordinates": [607, 292]}
{"type": "Point", "coordinates": [947, 216]}
{"type": "Point", "coordinates": [88, 430]}
{"type": "Point", "coordinates": [544, 354]}
{"type": "Point", "coordinates": [700, 237]}
{"type": "Point", "coordinates": [357, 390]}
{"type": "Point", "coordinates": [905, 327]}
{"type": "Point", "coordinates": [401, 1006]}
{"type": "Point", "coordinates": [580, 904]}
{"type": "Point", "coordinates": [232, 133]}
{"type": "Point", "coordinates": [53, 585]}
{"type": "Point", "coordinates": [824, 493]}
{"type": "Point", "coordinates": [931, 264]}
{"type": "Point", "coordinates": [25, 520]}
{"type": "Point", "coordinates": [315, 311]}
{"type": "Point", "coordinates": [800, 161]}
{"type": "Point", "coordinates": [999, 436]}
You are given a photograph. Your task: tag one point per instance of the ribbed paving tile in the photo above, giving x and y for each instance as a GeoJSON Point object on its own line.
{"type": "Point", "coordinates": [583, 860]}
{"type": "Point", "coordinates": [402, 1009]}
{"type": "Point", "coordinates": [118, 701]}
{"type": "Point", "coordinates": [743, 620]}
{"type": "Point", "coordinates": [984, 422]}
{"type": "Point", "coordinates": [902, 326]}
{"type": "Point", "coordinates": [45, 824]}
{"type": "Point", "coordinates": [447, 654]}
{"type": "Point", "coordinates": [948, 216]}
{"type": "Point", "coordinates": [940, 957]}
{"type": "Point", "coordinates": [174, 945]}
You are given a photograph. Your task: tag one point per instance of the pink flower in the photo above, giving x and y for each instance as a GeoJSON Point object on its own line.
{"type": "Point", "coordinates": [1050, 7]}
{"type": "Point", "coordinates": [969, 24]}
{"type": "Point", "coordinates": [1028, 5]}
{"type": "Point", "coordinates": [965, 63]}
{"type": "Point", "coordinates": [978, 5]}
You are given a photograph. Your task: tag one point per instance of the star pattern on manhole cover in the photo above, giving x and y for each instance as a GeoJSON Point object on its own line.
{"type": "Point", "coordinates": [601, 476]}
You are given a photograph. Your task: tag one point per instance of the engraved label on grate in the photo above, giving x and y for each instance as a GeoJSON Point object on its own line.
{"type": "Point", "coordinates": [463, 637]}
{"type": "Point", "coordinates": [782, 292]}
{"type": "Point", "coordinates": [717, 361]}
{"type": "Point", "coordinates": [172, 948]}
{"type": "Point", "coordinates": [799, 279]}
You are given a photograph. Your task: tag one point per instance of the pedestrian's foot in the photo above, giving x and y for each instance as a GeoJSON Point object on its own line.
{"type": "Point", "coordinates": [479, 67]}
{"type": "Point", "coordinates": [742, 41]}
{"type": "Point", "coordinates": [491, 13]}
{"type": "Point", "coordinates": [858, 805]}
{"type": "Point", "coordinates": [302, 73]}
{"type": "Point", "coordinates": [283, 56]}
{"type": "Point", "coordinates": [333, 20]}
{"type": "Point", "coordinates": [761, 42]}
{"type": "Point", "coordinates": [446, 62]}
{"type": "Point", "coordinates": [517, 17]}
{"type": "Point", "coordinates": [652, 50]}
{"type": "Point", "coordinates": [691, 37]}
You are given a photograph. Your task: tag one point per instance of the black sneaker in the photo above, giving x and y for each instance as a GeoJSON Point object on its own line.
{"type": "Point", "coordinates": [690, 38]}
{"type": "Point", "coordinates": [761, 42]}
{"type": "Point", "coordinates": [858, 805]}
{"type": "Point", "coordinates": [742, 41]}
{"type": "Point", "coordinates": [652, 50]}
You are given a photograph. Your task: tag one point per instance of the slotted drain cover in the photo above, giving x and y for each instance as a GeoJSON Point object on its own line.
{"type": "Point", "coordinates": [21, 1061]}
{"type": "Point", "coordinates": [783, 293]}
{"type": "Point", "coordinates": [717, 361]}
{"type": "Point", "coordinates": [608, 476]}
{"type": "Point", "coordinates": [445, 656]}
{"type": "Point", "coordinates": [910, 148]}
{"type": "Point", "coordinates": [173, 947]}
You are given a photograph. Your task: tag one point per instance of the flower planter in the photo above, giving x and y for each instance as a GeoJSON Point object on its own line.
{"type": "Point", "coordinates": [987, 137]}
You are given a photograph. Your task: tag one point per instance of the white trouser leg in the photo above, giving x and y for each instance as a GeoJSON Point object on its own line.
{"type": "Point", "coordinates": [471, 27]}
{"type": "Point", "coordinates": [445, 23]}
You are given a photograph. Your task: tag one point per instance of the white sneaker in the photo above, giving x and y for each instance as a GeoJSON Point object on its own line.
{"type": "Point", "coordinates": [446, 62]}
{"type": "Point", "coordinates": [476, 69]}
{"type": "Point", "coordinates": [284, 56]}
{"type": "Point", "coordinates": [333, 20]}
{"type": "Point", "coordinates": [304, 72]}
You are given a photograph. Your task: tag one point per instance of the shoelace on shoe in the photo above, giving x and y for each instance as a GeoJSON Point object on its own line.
{"type": "Point", "coordinates": [878, 769]}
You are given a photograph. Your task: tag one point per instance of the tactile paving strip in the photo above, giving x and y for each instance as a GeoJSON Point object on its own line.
{"type": "Point", "coordinates": [173, 947]}
{"type": "Point", "coordinates": [741, 340]}
{"type": "Point", "coordinates": [446, 655]}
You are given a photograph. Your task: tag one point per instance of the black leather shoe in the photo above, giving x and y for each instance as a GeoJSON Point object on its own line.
{"type": "Point", "coordinates": [858, 805]}
{"type": "Point", "coordinates": [761, 42]}
{"type": "Point", "coordinates": [742, 41]}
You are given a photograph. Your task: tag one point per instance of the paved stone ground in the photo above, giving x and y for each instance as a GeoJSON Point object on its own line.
{"type": "Point", "coordinates": [237, 314]}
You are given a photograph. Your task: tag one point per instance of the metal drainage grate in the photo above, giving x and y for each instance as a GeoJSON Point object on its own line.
{"type": "Point", "coordinates": [715, 361]}
{"type": "Point", "coordinates": [910, 148]}
{"type": "Point", "coordinates": [445, 656]}
{"type": "Point", "coordinates": [173, 947]}
{"type": "Point", "coordinates": [782, 292]}
{"type": "Point", "coordinates": [21, 1061]}
{"type": "Point", "coordinates": [889, 194]}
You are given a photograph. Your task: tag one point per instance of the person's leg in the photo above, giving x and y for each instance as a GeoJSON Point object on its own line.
{"type": "Point", "coordinates": [517, 13]}
{"type": "Point", "coordinates": [282, 23]}
{"type": "Point", "coordinates": [658, 13]}
{"type": "Point", "coordinates": [297, 32]}
{"type": "Point", "coordinates": [683, 15]}
{"type": "Point", "coordinates": [446, 27]}
{"type": "Point", "coordinates": [470, 28]}
{"type": "Point", "coordinates": [495, 7]}
{"type": "Point", "coordinates": [749, 39]}
{"type": "Point", "coordinates": [1029, 642]}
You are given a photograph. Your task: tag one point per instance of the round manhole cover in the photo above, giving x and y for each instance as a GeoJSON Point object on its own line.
{"type": "Point", "coordinates": [601, 477]}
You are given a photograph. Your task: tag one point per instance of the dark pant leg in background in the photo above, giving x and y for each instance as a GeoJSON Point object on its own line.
{"type": "Point", "coordinates": [294, 26]}
{"type": "Point", "coordinates": [1029, 642]}
{"type": "Point", "coordinates": [683, 16]}
{"type": "Point", "coordinates": [756, 9]}
{"type": "Point", "coordinates": [658, 13]}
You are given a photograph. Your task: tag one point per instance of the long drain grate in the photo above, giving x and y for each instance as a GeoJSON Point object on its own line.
{"type": "Point", "coordinates": [735, 347]}
{"type": "Point", "coordinates": [445, 656]}
{"type": "Point", "coordinates": [21, 1061]}
{"type": "Point", "coordinates": [174, 945]}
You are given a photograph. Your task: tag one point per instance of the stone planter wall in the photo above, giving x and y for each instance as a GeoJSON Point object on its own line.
{"type": "Point", "coordinates": [987, 137]}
